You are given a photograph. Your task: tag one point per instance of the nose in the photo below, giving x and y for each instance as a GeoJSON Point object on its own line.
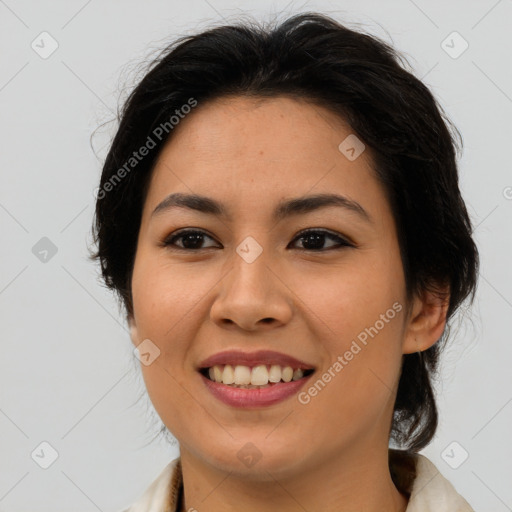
{"type": "Point", "coordinates": [252, 296]}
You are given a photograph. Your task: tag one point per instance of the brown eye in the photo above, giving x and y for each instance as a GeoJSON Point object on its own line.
{"type": "Point", "coordinates": [314, 240]}
{"type": "Point", "coordinates": [191, 240]}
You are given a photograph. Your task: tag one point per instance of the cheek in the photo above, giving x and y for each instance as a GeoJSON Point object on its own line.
{"type": "Point", "coordinates": [358, 318]}
{"type": "Point", "coordinates": [164, 295]}
{"type": "Point", "coordinates": [344, 300]}
{"type": "Point", "coordinates": [164, 301]}
{"type": "Point", "coordinates": [355, 392]}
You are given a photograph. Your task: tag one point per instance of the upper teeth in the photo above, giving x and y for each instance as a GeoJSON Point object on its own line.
{"type": "Point", "coordinates": [257, 376]}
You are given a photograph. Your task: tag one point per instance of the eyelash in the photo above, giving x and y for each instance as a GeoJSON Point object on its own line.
{"type": "Point", "coordinates": [169, 241]}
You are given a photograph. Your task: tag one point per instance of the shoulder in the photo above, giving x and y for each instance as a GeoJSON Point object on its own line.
{"type": "Point", "coordinates": [162, 492]}
{"type": "Point", "coordinates": [428, 489]}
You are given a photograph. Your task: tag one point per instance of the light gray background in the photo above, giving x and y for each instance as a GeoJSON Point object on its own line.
{"type": "Point", "coordinates": [66, 360]}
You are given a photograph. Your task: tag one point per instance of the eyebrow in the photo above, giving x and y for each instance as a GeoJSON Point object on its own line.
{"type": "Point", "coordinates": [295, 206]}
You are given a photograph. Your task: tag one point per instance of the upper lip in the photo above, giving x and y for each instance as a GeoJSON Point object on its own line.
{"type": "Point", "coordinates": [267, 357]}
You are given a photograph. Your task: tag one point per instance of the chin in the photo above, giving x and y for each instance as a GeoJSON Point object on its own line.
{"type": "Point", "coordinates": [255, 458]}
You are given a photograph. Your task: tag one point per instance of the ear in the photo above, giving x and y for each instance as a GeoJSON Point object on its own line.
{"type": "Point", "coordinates": [133, 331]}
{"type": "Point", "coordinates": [426, 321]}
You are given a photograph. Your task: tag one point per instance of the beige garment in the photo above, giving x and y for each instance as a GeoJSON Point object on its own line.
{"type": "Point", "coordinates": [414, 474]}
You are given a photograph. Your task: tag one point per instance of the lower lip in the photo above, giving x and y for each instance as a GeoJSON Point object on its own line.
{"type": "Point", "coordinates": [240, 397]}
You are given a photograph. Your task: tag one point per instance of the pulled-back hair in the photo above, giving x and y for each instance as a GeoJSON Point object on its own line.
{"type": "Point", "coordinates": [355, 75]}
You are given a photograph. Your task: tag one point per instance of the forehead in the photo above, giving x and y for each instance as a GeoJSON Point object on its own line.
{"type": "Point", "coordinates": [246, 149]}
{"type": "Point", "coordinates": [279, 128]}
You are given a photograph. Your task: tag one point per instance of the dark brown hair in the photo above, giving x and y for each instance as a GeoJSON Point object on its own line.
{"type": "Point", "coordinates": [363, 80]}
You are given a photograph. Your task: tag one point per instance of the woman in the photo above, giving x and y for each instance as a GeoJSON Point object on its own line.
{"type": "Point", "coordinates": [279, 213]}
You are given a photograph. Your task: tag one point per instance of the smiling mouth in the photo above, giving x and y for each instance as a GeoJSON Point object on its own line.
{"type": "Point", "coordinates": [253, 377]}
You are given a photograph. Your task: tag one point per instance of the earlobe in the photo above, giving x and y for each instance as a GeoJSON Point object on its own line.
{"type": "Point", "coordinates": [427, 321]}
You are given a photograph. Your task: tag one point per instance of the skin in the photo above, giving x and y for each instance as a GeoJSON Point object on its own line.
{"type": "Point", "coordinates": [331, 453]}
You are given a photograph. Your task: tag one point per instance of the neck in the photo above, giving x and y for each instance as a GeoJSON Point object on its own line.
{"type": "Point", "coordinates": [345, 483]}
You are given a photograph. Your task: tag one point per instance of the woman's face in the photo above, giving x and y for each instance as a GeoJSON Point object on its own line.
{"type": "Point", "coordinates": [249, 282]}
